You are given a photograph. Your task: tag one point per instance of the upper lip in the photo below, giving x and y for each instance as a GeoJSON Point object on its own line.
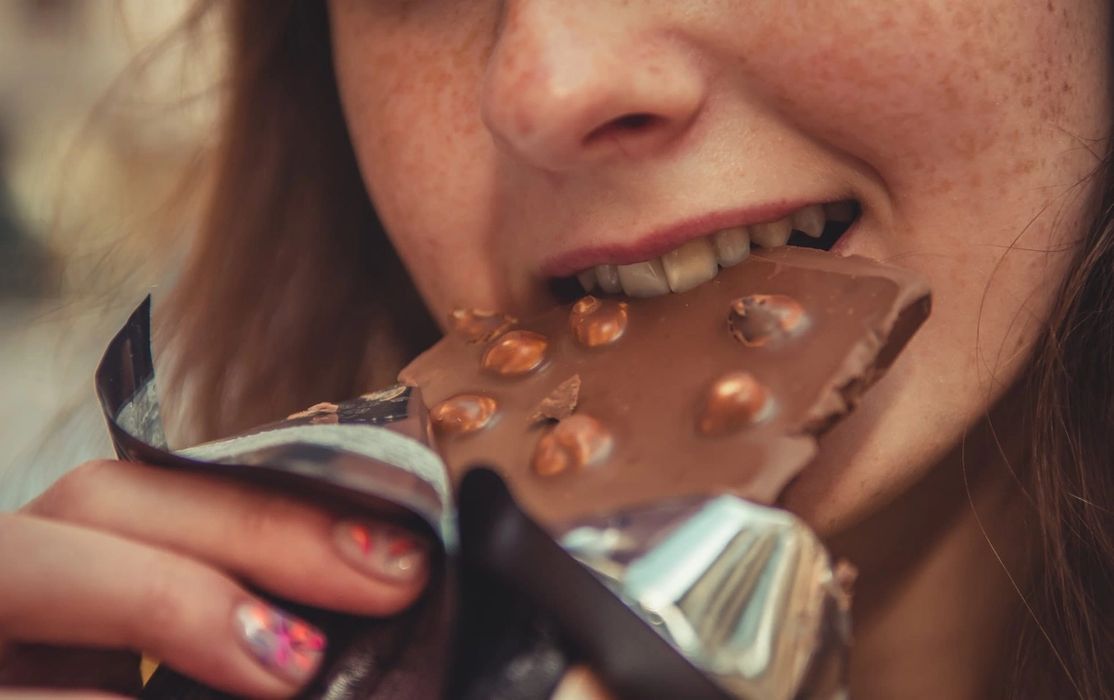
{"type": "Point", "coordinates": [661, 240]}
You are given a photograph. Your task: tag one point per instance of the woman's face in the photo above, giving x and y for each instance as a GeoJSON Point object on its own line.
{"type": "Point", "coordinates": [504, 143]}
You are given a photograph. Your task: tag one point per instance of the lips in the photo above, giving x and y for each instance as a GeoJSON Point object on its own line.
{"type": "Point", "coordinates": [700, 257]}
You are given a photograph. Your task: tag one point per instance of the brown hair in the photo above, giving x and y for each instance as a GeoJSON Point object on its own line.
{"type": "Point", "coordinates": [291, 275]}
{"type": "Point", "coordinates": [293, 295]}
{"type": "Point", "coordinates": [1070, 474]}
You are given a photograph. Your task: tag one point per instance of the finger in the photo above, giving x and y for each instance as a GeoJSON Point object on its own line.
{"type": "Point", "coordinates": [77, 587]}
{"type": "Point", "coordinates": [580, 683]}
{"type": "Point", "coordinates": [291, 548]}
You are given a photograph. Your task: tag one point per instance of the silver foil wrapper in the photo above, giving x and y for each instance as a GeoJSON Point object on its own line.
{"type": "Point", "coordinates": [376, 444]}
{"type": "Point", "coordinates": [747, 593]}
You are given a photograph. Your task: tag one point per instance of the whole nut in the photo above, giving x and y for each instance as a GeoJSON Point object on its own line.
{"type": "Point", "coordinates": [515, 353]}
{"type": "Point", "coordinates": [596, 323]}
{"type": "Point", "coordinates": [760, 319]}
{"type": "Point", "coordinates": [480, 325]}
{"type": "Point", "coordinates": [735, 401]}
{"type": "Point", "coordinates": [576, 442]}
{"type": "Point", "coordinates": [463, 414]}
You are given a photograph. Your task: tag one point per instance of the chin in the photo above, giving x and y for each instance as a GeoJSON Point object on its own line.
{"type": "Point", "coordinates": [870, 459]}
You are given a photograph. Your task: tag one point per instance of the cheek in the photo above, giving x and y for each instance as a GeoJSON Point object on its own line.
{"type": "Point", "coordinates": [926, 92]}
{"type": "Point", "coordinates": [971, 115]}
{"type": "Point", "coordinates": [411, 101]}
{"type": "Point", "coordinates": [979, 121]}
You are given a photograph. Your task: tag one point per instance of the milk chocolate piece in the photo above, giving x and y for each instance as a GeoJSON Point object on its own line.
{"type": "Point", "coordinates": [559, 404]}
{"type": "Point", "coordinates": [649, 389]}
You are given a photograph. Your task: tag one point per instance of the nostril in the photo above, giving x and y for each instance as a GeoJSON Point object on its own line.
{"type": "Point", "coordinates": [628, 123]}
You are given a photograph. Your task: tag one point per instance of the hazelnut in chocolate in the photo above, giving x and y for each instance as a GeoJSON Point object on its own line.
{"type": "Point", "coordinates": [573, 444]}
{"type": "Point", "coordinates": [514, 353]}
{"type": "Point", "coordinates": [761, 319]}
{"type": "Point", "coordinates": [462, 414]}
{"type": "Point", "coordinates": [597, 322]}
{"type": "Point", "coordinates": [480, 326]}
{"type": "Point", "coordinates": [734, 402]}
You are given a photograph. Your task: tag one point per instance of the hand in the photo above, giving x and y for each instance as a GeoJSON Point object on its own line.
{"type": "Point", "coordinates": [123, 556]}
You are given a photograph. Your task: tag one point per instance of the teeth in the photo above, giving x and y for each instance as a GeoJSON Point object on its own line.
{"type": "Point", "coordinates": [732, 245]}
{"type": "Point", "coordinates": [809, 221]}
{"type": "Point", "coordinates": [644, 279]}
{"type": "Point", "coordinates": [771, 235]}
{"type": "Point", "coordinates": [608, 277]}
{"type": "Point", "coordinates": [843, 212]}
{"type": "Point", "coordinates": [699, 260]}
{"type": "Point", "coordinates": [692, 264]}
{"type": "Point", "coordinates": [587, 279]}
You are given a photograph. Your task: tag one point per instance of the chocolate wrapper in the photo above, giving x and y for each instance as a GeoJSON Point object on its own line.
{"type": "Point", "coordinates": [371, 458]}
{"type": "Point", "coordinates": [746, 592]}
{"type": "Point", "coordinates": [696, 598]}
{"type": "Point", "coordinates": [374, 453]}
{"type": "Point", "coordinates": [706, 597]}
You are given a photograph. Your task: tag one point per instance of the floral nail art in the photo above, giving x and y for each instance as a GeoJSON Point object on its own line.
{"type": "Point", "coordinates": [383, 551]}
{"type": "Point", "coordinates": [290, 647]}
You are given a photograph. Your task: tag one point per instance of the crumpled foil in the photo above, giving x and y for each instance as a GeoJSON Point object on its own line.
{"type": "Point", "coordinates": [746, 592]}
{"type": "Point", "coordinates": [370, 455]}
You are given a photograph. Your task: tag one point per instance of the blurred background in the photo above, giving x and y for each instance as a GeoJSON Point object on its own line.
{"type": "Point", "coordinates": [105, 112]}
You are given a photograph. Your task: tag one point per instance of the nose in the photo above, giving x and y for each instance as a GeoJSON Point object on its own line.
{"type": "Point", "coordinates": [574, 83]}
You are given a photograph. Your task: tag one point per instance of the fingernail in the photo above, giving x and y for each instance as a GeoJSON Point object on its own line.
{"type": "Point", "coordinates": [285, 645]}
{"type": "Point", "coordinates": [380, 550]}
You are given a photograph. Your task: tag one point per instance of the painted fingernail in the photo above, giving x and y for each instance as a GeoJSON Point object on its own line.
{"type": "Point", "coordinates": [383, 551]}
{"type": "Point", "coordinates": [285, 645]}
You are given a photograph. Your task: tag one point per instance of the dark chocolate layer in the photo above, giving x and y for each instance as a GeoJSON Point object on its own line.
{"type": "Point", "coordinates": [721, 389]}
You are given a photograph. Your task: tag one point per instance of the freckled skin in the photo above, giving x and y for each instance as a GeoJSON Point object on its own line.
{"type": "Point", "coordinates": [487, 135]}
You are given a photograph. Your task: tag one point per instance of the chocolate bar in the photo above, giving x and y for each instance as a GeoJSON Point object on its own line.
{"type": "Point", "coordinates": [632, 432]}
{"type": "Point", "coordinates": [604, 404]}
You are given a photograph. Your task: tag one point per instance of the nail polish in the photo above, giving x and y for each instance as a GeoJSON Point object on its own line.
{"type": "Point", "coordinates": [285, 645]}
{"type": "Point", "coordinates": [381, 550]}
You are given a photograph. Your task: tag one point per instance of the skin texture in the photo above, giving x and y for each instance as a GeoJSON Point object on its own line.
{"type": "Point", "coordinates": [492, 139]}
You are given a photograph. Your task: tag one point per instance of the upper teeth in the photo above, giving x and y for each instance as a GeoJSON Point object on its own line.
{"type": "Point", "coordinates": [698, 260]}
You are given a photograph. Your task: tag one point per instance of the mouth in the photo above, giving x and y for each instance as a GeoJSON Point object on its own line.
{"type": "Point", "coordinates": [700, 259]}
